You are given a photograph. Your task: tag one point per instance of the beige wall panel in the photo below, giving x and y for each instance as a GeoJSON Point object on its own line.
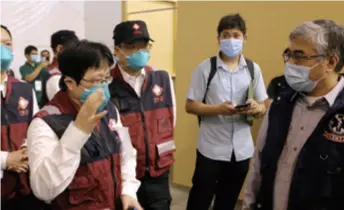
{"type": "Point", "coordinates": [162, 30]}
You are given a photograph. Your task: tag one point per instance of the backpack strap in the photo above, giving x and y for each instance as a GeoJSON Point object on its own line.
{"type": "Point", "coordinates": [213, 68]}
{"type": "Point", "coordinates": [250, 67]}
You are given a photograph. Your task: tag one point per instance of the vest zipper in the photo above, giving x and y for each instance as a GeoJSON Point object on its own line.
{"type": "Point", "coordinates": [9, 142]}
{"type": "Point", "coordinates": [112, 164]}
{"type": "Point", "coordinates": [145, 136]}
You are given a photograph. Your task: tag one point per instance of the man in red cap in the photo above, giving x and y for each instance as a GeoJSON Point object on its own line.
{"type": "Point", "coordinates": [146, 102]}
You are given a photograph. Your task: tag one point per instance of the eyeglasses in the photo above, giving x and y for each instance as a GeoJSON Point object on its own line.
{"type": "Point", "coordinates": [298, 56]}
{"type": "Point", "coordinates": [96, 81]}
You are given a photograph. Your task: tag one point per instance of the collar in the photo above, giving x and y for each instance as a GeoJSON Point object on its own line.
{"type": "Point", "coordinates": [3, 86]}
{"type": "Point", "coordinates": [220, 64]}
{"type": "Point", "coordinates": [331, 96]}
{"type": "Point", "coordinates": [29, 64]}
{"type": "Point", "coordinates": [126, 76]}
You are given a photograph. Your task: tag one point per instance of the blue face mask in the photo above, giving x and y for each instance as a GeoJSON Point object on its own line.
{"type": "Point", "coordinates": [231, 47]}
{"type": "Point", "coordinates": [297, 77]}
{"type": "Point", "coordinates": [34, 58]}
{"type": "Point", "coordinates": [6, 58]}
{"type": "Point", "coordinates": [138, 60]}
{"type": "Point", "coordinates": [106, 92]}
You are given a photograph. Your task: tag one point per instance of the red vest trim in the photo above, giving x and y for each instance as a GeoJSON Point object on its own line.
{"type": "Point", "coordinates": [97, 182]}
{"type": "Point", "coordinates": [16, 113]}
{"type": "Point", "coordinates": [149, 118]}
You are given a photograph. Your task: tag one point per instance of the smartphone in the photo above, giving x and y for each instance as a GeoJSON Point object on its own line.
{"type": "Point", "coordinates": [242, 106]}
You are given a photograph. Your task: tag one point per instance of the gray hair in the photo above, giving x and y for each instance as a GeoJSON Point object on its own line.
{"type": "Point", "coordinates": [317, 34]}
{"type": "Point", "coordinates": [326, 35]}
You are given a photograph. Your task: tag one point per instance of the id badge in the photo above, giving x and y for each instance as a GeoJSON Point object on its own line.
{"type": "Point", "coordinates": [38, 85]}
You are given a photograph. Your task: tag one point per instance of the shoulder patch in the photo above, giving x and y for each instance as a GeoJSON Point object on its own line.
{"type": "Point", "coordinates": [335, 131]}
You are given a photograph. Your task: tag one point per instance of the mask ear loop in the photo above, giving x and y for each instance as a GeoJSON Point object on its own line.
{"type": "Point", "coordinates": [315, 65]}
{"type": "Point", "coordinates": [126, 56]}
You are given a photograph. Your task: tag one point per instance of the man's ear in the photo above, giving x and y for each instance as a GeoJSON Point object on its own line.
{"type": "Point", "coordinates": [245, 38]}
{"type": "Point", "coordinates": [115, 51]}
{"type": "Point", "coordinates": [59, 48]}
{"type": "Point", "coordinates": [70, 83]}
{"type": "Point", "coordinates": [332, 62]}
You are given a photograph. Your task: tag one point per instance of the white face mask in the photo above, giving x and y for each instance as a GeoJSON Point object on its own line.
{"type": "Point", "coordinates": [298, 77]}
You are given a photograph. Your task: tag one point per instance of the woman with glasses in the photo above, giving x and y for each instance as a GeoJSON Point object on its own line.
{"type": "Point", "coordinates": [81, 157]}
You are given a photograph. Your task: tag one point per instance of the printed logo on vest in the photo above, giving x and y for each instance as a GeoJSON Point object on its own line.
{"type": "Point", "coordinates": [336, 129]}
{"type": "Point", "coordinates": [157, 90]}
{"type": "Point", "coordinates": [112, 124]}
{"type": "Point", "coordinates": [22, 103]}
{"type": "Point", "coordinates": [22, 106]}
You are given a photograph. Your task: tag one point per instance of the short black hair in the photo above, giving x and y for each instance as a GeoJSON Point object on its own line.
{"type": "Point", "coordinates": [62, 37]}
{"type": "Point", "coordinates": [77, 58]}
{"type": "Point", "coordinates": [7, 30]}
{"type": "Point", "coordinates": [105, 53]}
{"type": "Point", "coordinates": [29, 49]}
{"type": "Point", "coordinates": [233, 21]}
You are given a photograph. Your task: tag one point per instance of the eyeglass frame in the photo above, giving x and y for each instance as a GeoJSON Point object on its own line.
{"type": "Point", "coordinates": [287, 55]}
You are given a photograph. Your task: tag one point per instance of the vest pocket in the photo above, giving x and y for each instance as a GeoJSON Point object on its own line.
{"type": "Point", "coordinates": [165, 127]}
{"type": "Point", "coordinates": [333, 181]}
{"type": "Point", "coordinates": [165, 153]}
{"type": "Point", "coordinates": [83, 189]}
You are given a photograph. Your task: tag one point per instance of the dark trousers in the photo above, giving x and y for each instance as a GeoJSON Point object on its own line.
{"type": "Point", "coordinates": [154, 192]}
{"type": "Point", "coordinates": [220, 178]}
{"type": "Point", "coordinates": [20, 202]}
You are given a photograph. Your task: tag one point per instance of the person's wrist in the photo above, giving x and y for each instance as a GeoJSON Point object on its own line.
{"type": "Point", "coordinates": [218, 109]}
{"type": "Point", "coordinates": [261, 111]}
{"type": "Point", "coordinates": [80, 126]}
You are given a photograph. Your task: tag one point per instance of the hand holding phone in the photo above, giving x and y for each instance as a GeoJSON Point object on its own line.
{"type": "Point", "coordinates": [242, 106]}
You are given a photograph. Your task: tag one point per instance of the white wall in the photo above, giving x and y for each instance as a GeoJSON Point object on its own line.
{"type": "Point", "coordinates": [33, 22]}
{"type": "Point", "coordinates": [101, 17]}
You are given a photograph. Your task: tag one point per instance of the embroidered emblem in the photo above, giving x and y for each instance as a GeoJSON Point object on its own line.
{"type": "Point", "coordinates": [136, 26]}
{"type": "Point", "coordinates": [157, 90]}
{"type": "Point", "coordinates": [112, 124]}
{"type": "Point", "coordinates": [22, 103]}
{"type": "Point", "coordinates": [336, 129]}
{"type": "Point", "coordinates": [336, 124]}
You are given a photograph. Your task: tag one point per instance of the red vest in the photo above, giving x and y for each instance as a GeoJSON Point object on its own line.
{"type": "Point", "coordinates": [149, 118]}
{"type": "Point", "coordinates": [16, 113]}
{"type": "Point", "coordinates": [97, 182]}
